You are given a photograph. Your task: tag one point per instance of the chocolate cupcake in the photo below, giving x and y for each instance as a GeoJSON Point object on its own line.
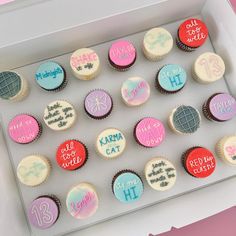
{"type": "Point", "coordinates": [170, 79]}
{"type": "Point", "coordinates": [98, 104]}
{"type": "Point", "coordinates": [71, 155]}
{"type": "Point", "coordinates": [122, 55]}
{"type": "Point", "coordinates": [220, 107]}
{"type": "Point", "coordinates": [199, 162]}
{"type": "Point", "coordinates": [191, 34]}
{"type": "Point", "coordinates": [44, 211]}
{"type": "Point", "coordinates": [24, 129]}
{"type": "Point", "coordinates": [127, 186]}
{"type": "Point", "coordinates": [50, 76]}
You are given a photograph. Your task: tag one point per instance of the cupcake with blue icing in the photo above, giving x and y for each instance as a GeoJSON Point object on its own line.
{"type": "Point", "coordinates": [171, 79]}
{"type": "Point", "coordinates": [50, 76]}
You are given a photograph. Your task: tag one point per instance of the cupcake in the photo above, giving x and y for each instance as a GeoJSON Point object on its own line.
{"type": "Point", "coordinates": [135, 91]}
{"type": "Point", "coordinates": [127, 186]}
{"type": "Point", "coordinates": [44, 211]}
{"type": "Point", "coordinates": [170, 79]}
{"type": "Point", "coordinates": [157, 43]}
{"type": "Point", "coordinates": [13, 86]}
{"type": "Point", "coordinates": [226, 149]}
{"type": "Point", "coordinates": [208, 67]}
{"type": "Point", "coordinates": [160, 174]}
{"type": "Point", "coordinates": [184, 120]}
{"type": "Point", "coordinates": [122, 55]}
{"type": "Point", "coordinates": [33, 170]}
{"type": "Point", "coordinates": [59, 115]}
{"type": "Point", "coordinates": [85, 64]}
{"type": "Point", "coordinates": [191, 34]}
{"type": "Point", "coordinates": [199, 162]}
{"type": "Point", "coordinates": [98, 104]}
{"type": "Point", "coordinates": [24, 129]}
{"type": "Point", "coordinates": [50, 76]}
{"type": "Point", "coordinates": [220, 107]}
{"type": "Point", "coordinates": [82, 201]}
{"type": "Point", "coordinates": [71, 155]}
{"type": "Point", "coordinates": [149, 132]}
{"type": "Point", "coordinates": [110, 143]}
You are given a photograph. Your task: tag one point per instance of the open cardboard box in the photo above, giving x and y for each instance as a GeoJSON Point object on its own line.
{"type": "Point", "coordinates": [217, 14]}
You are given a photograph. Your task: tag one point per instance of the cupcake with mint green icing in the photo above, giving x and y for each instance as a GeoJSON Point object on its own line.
{"type": "Point", "coordinates": [171, 79]}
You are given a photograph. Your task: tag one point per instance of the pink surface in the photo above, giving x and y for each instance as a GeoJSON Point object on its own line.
{"type": "Point", "coordinates": [221, 224]}
{"type": "Point", "coordinates": [122, 53]}
{"type": "Point", "coordinates": [5, 1]}
{"type": "Point", "coordinates": [150, 132]}
{"type": "Point", "coordinates": [23, 129]}
{"type": "Point", "coordinates": [233, 3]}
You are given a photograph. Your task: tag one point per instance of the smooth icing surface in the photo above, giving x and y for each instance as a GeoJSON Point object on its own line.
{"type": "Point", "coordinates": [71, 155]}
{"type": "Point", "coordinates": [135, 91]}
{"type": "Point", "coordinates": [185, 119]}
{"type": "Point", "coordinates": [122, 53]}
{"type": "Point", "coordinates": [200, 162]}
{"type": "Point", "coordinates": [43, 212]}
{"type": "Point", "coordinates": [111, 143]}
{"type": "Point", "coordinates": [128, 187]}
{"type": "Point", "coordinates": [160, 174]}
{"type": "Point", "coordinates": [50, 75]}
{"type": "Point", "coordinates": [157, 42]}
{"type": "Point", "coordinates": [23, 129]}
{"type": "Point", "coordinates": [150, 132]}
{"type": "Point", "coordinates": [85, 63]}
{"type": "Point", "coordinates": [10, 84]}
{"type": "Point", "coordinates": [98, 103]}
{"type": "Point", "coordinates": [227, 149]}
{"type": "Point", "coordinates": [33, 170]}
{"type": "Point", "coordinates": [209, 67]}
{"type": "Point", "coordinates": [193, 32]}
{"type": "Point", "coordinates": [59, 115]}
{"type": "Point", "coordinates": [223, 106]}
{"type": "Point", "coordinates": [82, 201]}
{"type": "Point", "coordinates": [172, 77]}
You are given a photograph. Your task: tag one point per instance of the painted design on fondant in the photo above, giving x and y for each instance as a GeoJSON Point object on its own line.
{"type": "Point", "coordinates": [59, 115]}
{"type": "Point", "coordinates": [135, 91]}
{"type": "Point", "coordinates": [223, 106]}
{"type": "Point", "coordinates": [82, 201]}
{"type": "Point", "coordinates": [50, 75]}
{"type": "Point", "coordinates": [193, 33]}
{"type": "Point", "coordinates": [98, 103]}
{"type": "Point", "coordinates": [71, 155]}
{"type": "Point", "coordinates": [10, 84]}
{"type": "Point", "coordinates": [172, 77]}
{"type": "Point", "coordinates": [43, 212]}
{"type": "Point", "coordinates": [122, 53]}
{"type": "Point", "coordinates": [209, 67]}
{"type": "Point", "coordinates": [186, 119]}
{"type": "Point", "coordinates": [23, 128]}
{"type": "Point", "coordinates": [127, 187]}
{"type": "Point", "coordinates": [200, 162]}
{"type": "Point", "coordinates": [111, 143]}
{"type": "Point", "coordinates": [150, 132]}
{"type": "Point", "coordinates": [160, 174]}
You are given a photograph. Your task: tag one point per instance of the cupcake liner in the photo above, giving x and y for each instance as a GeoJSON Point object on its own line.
{"type": "Point", "coordinates": [121, 172]}
{"type": "Point", "coordinates": [104, 116]}
{"type": "Point", "coordinates": [182, 46]}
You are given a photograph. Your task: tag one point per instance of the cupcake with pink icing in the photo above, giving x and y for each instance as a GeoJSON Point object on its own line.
{"type": "Point", "coordinates": [122, 55]}
{"type": "Point", "coordinates": [135, 91]}
{"type": "Point", "coordinates": [82, 201]}
{"type": "Point", "coordinates": [149, 132]}
{"type": "Point", "coordinates": [24, 129]}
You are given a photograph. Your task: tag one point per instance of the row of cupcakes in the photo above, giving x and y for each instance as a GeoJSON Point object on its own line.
{"type": "Point", "coordinates": [82, 200]}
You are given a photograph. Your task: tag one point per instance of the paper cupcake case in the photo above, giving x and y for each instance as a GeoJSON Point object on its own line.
{"type": "Point", "coordinates": [100, 172]}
